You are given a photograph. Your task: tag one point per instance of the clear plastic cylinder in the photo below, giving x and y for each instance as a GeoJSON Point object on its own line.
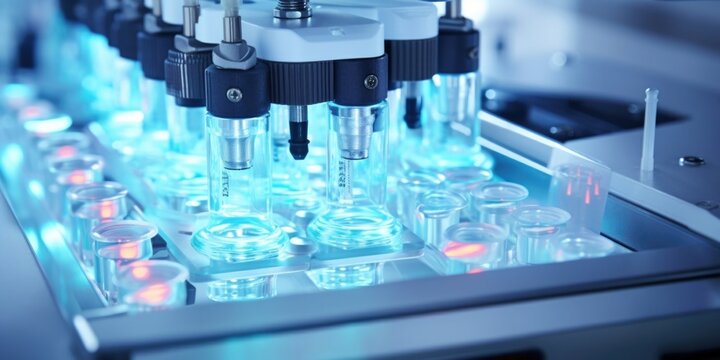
{"type": "Point", "coordinates": [126, 85]}
{"type": "Point", "coordinates": [473, 247]}
{"type": "Point", "coordinates": [154, 108]}
{"type": "Point", "coordinates": [409, 188]}
{"type": "Point", "coordinates": [67, 172]}
{"type": "Point", "coordinates": [581, 245]}
{"type": "Point", "coordinates": [437, 210]}
{"type": "Point", "coordinates": [357, 182]}
{"type": "Point", "coordinates": [118, 244]}
{"type": "Point", "coordinates": [240, 184]}
{"type": "Point", "coordinates": [150, 285]}
{"type": "Point", "coordinates": [347, 277]}
{"type": "Point", "coordinates": [464, 180]}
{"type": "Point", "coordinates": [494, 203]}
{"type": "Point", "coordinates": [243, 289]}
{"type": "Point", "coordinates": [92, 205]}
{"type": "Point", "coordinates": [535, 229]}
{"type": "Point", "coordinates": [186, 129]}
{"type": "Point", "coordinates": [63, 145]}
{"type": "Point", "coordinates": [582, 192]}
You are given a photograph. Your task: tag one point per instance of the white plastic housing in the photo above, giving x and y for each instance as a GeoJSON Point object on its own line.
{"type": "Point", "coordinates": [328, 36]}
{"type": "Point", "coordinates": [172, 11]}
{"type": "Point", "coordinates": [403, 19]}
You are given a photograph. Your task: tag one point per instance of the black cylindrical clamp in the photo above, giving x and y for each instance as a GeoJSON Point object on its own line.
{"type": "Point", "coordinates": [235, 94]}
{"type": "Point", "coordinates": [412, 60]}
{"type": "Point", "coordinates": [123, 35]}
{"type": "Point", "coordinates": [300, 83]}
{"type": "Point", "coordinates": [152, 52]}
{"type": "Point", "coordinates": [361, 82]}
{"type": "Point", "coordinates": [458, 51]}
{"type": "Point", "coordinates": [185, 76]}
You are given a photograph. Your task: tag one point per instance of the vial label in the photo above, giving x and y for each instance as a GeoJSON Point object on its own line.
{"type": "Point", "coordinates": [344, 182]}
{"type": "Point", "coordinates": [225, 184]}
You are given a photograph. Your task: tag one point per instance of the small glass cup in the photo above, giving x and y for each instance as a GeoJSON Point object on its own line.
{"type": "Point", "coordinates": [91, 205]}
{"type": "Point", "coordinates": [473, 247]}
{"type": "Point", "coordinates": [464, 180]}
{"type": "Point", "coordinates": [437, 210]}
{"type": "Point", "coordinates": [535, 228]}
{"type": "Point", "coordinates": [581, 245]}
{"type": "Point", "coordinates": [149, 285]}
{"type": "Point", "coordinates": [347, 277]}
{"type": "Point", "coordinates": [409, 187]}
{"type": "Point", "coordinates": [494, 203]}
{"type": "Point", "coordinates": [118, 244]}
{"type": "Point", "coordinates": [64, 145]}
{"type": "Point", "coordinates": [243, 289]}
{"type": "Point", "coordinates": [68, 172]}
{"type": "Point", "coordinates": [582, 191]}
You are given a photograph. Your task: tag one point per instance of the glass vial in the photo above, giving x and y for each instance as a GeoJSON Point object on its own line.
{"type": "Point", "coordinates": [244, 289]}
{"type": "Point", "coordinates": [581, 245]}
{"type": "Point", "coordinates": [240, 181]}
{"type": "Point", "coordinates": [495, 203]}
{"type": "Point", "coordinates": [65, 173]}
{"type": "Point", "coordinates": [535, 228]}
{"type": "Point", "coordinates": [150, 285]}
{"type": "Point", "coordinates": [409, 188]}
{"type": "Point", "coordinates": [186, 130]}
{"type": "Point", "coordinates": [91, 205]}
{"type": "Point", "coordinates": [582, 192]}
{"type": "Point", "coordinates": [437, 211]}
{"type": "Point", "coordinates": [357, 182]}
{"type": "Point", "coordinates": [473, 247]}
{"type": "Point", "coordinates": [347, 277]}
{"type": "Point", "coordinates": [118, 244]}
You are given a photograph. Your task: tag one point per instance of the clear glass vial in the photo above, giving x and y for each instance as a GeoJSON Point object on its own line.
{"type": "Point", "coordinates": [150, 285]}
{"type": "Point", "coordinates": [535, 228]}
{"type": "Point", "coordinates": [473, 247]}
{"type": "Point", "coordinates": [240, 181]}
{"type": "Point", "coordinates": [117, 244]}
{"type": "Point", "coordinates": [356, 215]}
{"type": "Point", "coordinates": [91, 205]}
{"type": "Point", "coordinates": [243, 289]}
{"type": "Point", "coordinates": [581, 245]}
{"type": "Point", "coordinates": [410, 187]}
{"type": "Point", "coordinates": [63, 145]}
{"type": "Point", "coordinates": [582, 192]}
{"type": "Point", "coordinates": [464, 180]}
{"type": "Point", "coordinates": [494, 203]}
{"type": "Point", "coordinates": [347, 277]}
{"type": "Point", "coordinates": [67, 172]}
{"type": "Point", "coordinates": [437, 210]}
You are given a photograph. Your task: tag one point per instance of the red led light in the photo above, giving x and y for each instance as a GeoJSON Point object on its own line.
{"type": "Point", "coordinates": [154, 294]}
{"type": "Point", "coordinates": [141, 272]}
{"type": "Point", "coordinates": [107, 209]}
{"type": "Point", "coordinates": [568, 192]}
{"type": "Point", "coordinates": [461, 250]}
{"type": "Point", "coordinates": [129, 251]}
{"type": "Point", "coordinates": [77, 178]}
{"type": "Point", "coordinates": [587, 196]}
{"type": "Point", "coordinates": [66, 151]}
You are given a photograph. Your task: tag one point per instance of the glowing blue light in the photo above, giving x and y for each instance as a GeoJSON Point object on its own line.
{"type": "Point", "coordinates": [48, 125]}
{"type": "Point", "coordinates": [12, 159]}
{"type": "Point", "coordinates": [36, 189]}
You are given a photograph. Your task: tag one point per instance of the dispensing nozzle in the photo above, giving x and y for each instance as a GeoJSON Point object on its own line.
{"type": "Point", "coordinates": [298, 120]}
{"type": "Point", "coordinates": [413, 105]}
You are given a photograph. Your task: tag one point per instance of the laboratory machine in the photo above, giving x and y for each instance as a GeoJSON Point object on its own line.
{"type": "Point", "coordinates": [330, 179]}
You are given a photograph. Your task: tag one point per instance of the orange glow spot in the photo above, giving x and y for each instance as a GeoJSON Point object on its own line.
{"type": "Point", "coordinates": [154, 294]}
{"type": "Point", "coordinates": [589, 180]}
{"type": "Point", "coordinates": [129, 251]}
{"type": "Point", "coordinates": [597, 189]}
{"type": "Point", "coordinates": [77, 177]}
{"type": "Point", "coordinates": [141, 272]}
{"type": "Point", "coordinates": [568, 191]}
{"type": "Point", "coordinates": [66, 151]}
{"type": "Point", "coordinates": [107, 209]}
{"type": "Point", "coordinates": [459, 250]}
{"type": "Point", "coordinates": [587, 197]}
{"type": "Point", "coordinates": [476, 271]}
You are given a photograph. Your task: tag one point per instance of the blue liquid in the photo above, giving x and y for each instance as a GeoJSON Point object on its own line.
{"type": "Point", "coordinates": [356, 228]}
{"type": "Point", "coordinates": [237, 239]}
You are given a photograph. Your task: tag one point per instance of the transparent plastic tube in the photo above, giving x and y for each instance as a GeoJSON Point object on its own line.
{"type": "Point", "coordinates": [495, 203]}
{"type": "Point", "coordinates": [151, 285]}
{"type": "Point", "coordinates": [186, 129]}
{"type": "Point", "coordinates": [535, 228]}
{"type": "Point", "coordinates": [65, 173]}
{"type": "Point", "coordinates": [582, 192]}
{"type": "Point", "coordinates": [451, 130]}
{"type": "Point", "coordinates": [126, 85]}
{"type": "Point", "coordinates": [437, 210]}
{"type": "Point", "coordinates": [92, 205]}
{"type": "Point", "coordinates": [63, 145]}
{"type": "Point", "coordinates": [357, 182]}
{"type": "Point", "coordinates": [581, 245]}
{"type": "Point", "coordinates": [239, 169]}
{"type": "Point", "coordinates": [409, 188]}
{"type": "Point", "coordinates": [244, 289]}
{"type": "Point", "coordinates": [153, 94]}
{"type": "Point", "coordinates": [464, 180]}
{"type": "Point", "coordinates": [473, 247]}
{"type": "Point", "coordinates": [347, 277]}
{"type": "Point", "coordinates": [118, 244]}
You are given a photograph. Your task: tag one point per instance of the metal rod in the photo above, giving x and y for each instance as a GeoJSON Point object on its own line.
{"type": "Point", "coordinates": [453, 9]}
